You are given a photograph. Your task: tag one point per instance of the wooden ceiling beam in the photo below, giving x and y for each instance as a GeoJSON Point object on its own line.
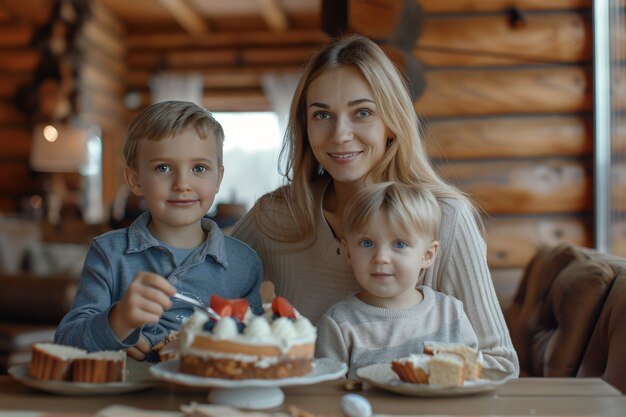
{"type": "Point", "coordinates": [186, 16]}
{"type": "Point", "coordinates": [226, 39]}
{"type": "Point", "coordinates": [274, 15]}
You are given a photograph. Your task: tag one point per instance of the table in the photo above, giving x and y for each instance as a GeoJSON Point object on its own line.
{"type": "Point", "coordinates": [519, 397]}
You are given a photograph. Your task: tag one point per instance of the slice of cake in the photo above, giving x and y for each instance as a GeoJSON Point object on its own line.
{"type": "Point", "coordinates": [447, 369]}
{"type": "Point", "coordinates": [279, 343]}
{"type": "Point", "coordinates": [469, 354]}
{"type": "Point", "coordinates": [52, 362]}
{"type": "Point", "coordinates": [100, 367]}
{"type": "Point", "coordinates": [414, 368]}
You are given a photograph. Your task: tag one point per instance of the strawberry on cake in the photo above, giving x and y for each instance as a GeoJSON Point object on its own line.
{"type": "Point", "coordinates": [242, 345]}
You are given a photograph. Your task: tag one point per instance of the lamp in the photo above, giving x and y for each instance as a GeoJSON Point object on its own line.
{"type": "Point", "coordinates": [62, 148]}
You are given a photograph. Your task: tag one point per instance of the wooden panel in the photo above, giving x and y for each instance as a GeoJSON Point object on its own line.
{"type": "Point", "coordinates": [484, 92]}
{"type": "Point", "coordinates": [438, 6]}
{"type": "Point", "coordinates": [97, 57]}
{"type": "Point", "coordinates": [174, 41]}
{"type": "Point", "coordinates": [14, 143]}
{"type": "Point", "coordinates": [18, 60]}
{"type": "Point", "coordinates": [618, 186]}
{"type": "Point", "coordinates": [100, 79]}
{"type": "Point", "coordinates": [13, 35]}
{"type": "Point", "coordinates": [224, 57]}
{"type": "Point", "coordinates": [10, 116]}
{"type": "Point", "coordinates": [227, 100]}
{"type": "Point", "coordinates": [9, 83]}
{"type": "Point", "coordinates": [219, 77]}
{"type": "Point", "coordinates": [518, 187]}
{"type": "Point", "coordinates": [618, 236]}
{"type": "Point", "coordinates": [226, 78]}
{"type": "Point", "coordinates": [249, 101]}
{"type": "Point", "coordinates": [108, 41]}
{"type": "Point", "coordinates": [503, 137]}
{"type": "Point", "coordinates": [95, 102]}
{"type": "Point", "coordinates": [104, 18]}
{"type": "Point", "coordinates": [492, 40]}
{"type": "Point", "coordinates": [511, 242]}
{"type": "Point", "coordinates": [18, 180]}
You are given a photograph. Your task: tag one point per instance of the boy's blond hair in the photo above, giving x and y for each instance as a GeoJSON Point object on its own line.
{"type": "Point", "coordinates": [170, 118]}
{"type": "Point", "coordinates": [411, 208]}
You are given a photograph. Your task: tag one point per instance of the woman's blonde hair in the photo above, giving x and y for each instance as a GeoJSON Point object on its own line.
{"type": "Point", "coordinates": [411, 209]}
{"type": "Point", "coordinates": [406, 160]}
{"type": "Point", "coordinates": [170, 118]}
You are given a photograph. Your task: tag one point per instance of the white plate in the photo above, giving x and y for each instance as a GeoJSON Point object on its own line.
{"type": "Point", "coordinates": [323, 370]}
{"type": "Point", "coordinates": [138, 378]}
{"type": "Point", "coordinates": [380, 375]}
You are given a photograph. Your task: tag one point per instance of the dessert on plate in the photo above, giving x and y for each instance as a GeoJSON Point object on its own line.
{"type": "Point", "coordinates": [280, 343]}
{"type": "Point", "coordinates": [53, 362]}
{"type": "Point", "coordinates": [444, 364]}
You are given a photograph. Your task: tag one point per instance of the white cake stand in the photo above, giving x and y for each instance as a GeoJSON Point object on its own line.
{"type": "Point", "coordinates": [252, 394]}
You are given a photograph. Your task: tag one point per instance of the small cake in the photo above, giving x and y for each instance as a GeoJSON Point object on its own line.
{"type": "Point", "coordinates": [469, 354]}
{"type": "Point", "coordinates": [167, 349]}
{"type": "Point", "coordinates": [414, 368]}
{"type": "Point", "coordinates": [447, 369]}
{"type": "Point", "coordinates": [280, 343]}
{"type": "Point", "coordinates": [52, 362]}
{"type": "Point", "coordinates": [100, 367]}
{"type": "Point", "coordinates": [446, 364]}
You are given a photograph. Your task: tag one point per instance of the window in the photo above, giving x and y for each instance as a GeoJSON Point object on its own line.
{"type": "Point", "coordinates": [251, 147]}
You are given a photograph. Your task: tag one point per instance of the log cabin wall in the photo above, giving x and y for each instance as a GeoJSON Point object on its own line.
{"type": "Point", "coordinates": [103, 81]}
{"type": "Point", "coordinates": [17, 63]}
{"type": "Point", "coordinates": [507, 109]}
{"type": "Point", "coordinates": [507, 102]}
{"type": "Point", "coordinates": [508, 106]}
{"type": "Point", "coordinates": [100, 89]}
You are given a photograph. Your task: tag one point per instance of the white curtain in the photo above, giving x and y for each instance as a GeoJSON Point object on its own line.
{"type": "Point", "coordinates": [169, 86]}
{"type": "Point", "coordinates": [280, 88]}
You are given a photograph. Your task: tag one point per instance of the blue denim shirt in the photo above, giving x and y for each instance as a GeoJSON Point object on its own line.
{"type": "Point", "coordinates": [221, 265]}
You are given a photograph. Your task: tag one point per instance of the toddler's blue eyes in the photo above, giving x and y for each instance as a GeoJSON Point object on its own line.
{"type": "Point", "coordinates": [366, 243]}
{"type": "Point", "coordinates": [401, 245]}
{"type": "Point", "coordinates": [162, 168]}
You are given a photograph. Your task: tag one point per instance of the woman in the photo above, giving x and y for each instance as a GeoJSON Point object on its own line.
{"type": "Point", "coordinates": [352, 123]}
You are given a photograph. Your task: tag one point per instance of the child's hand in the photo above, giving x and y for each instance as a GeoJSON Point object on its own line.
{"type": "Point", "coordinates": [140, 350]}
{"type": "Point", "coordinates": [147, 297]}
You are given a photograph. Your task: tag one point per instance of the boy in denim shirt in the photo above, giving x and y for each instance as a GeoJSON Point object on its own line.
{"type": "Point", "coordinates": [173, 154]}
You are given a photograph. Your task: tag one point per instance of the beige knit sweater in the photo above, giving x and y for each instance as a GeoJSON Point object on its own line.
{"type": "Point", "coordinates": [315, 277]}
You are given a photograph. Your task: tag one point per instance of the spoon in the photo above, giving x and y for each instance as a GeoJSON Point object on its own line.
{"type": "Point", "coordinates": [212, 313]}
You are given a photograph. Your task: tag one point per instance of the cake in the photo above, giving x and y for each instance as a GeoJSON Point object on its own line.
{"type": "Point", "coordinates": [100, 367]}
{"type": "Point", "coordinates": [53, 362]}
{"type": "Point", "coordinates": [167, 349]}
{"type": "Point", "coordinates": [469, 354]}
{"type": "Point", "coordinates": [280, 343]}
{"type": "Point", "coordinates": [445, 364]}
{"type": "Point", "coordinates": [414, 368]}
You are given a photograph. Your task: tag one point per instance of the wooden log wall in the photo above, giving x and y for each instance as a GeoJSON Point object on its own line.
{"type": "Point", "coordinates": [17, 63]}
{"type": "Point", "coordinates": [101, 88]}
{"type": "Point", "coordinates": [508, 104]}
{"type": "Point", "coordinates": [507, 110]}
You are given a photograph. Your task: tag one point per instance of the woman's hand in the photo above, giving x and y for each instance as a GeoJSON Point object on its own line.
{"type": "Point", "coordinates": [147, 297]}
